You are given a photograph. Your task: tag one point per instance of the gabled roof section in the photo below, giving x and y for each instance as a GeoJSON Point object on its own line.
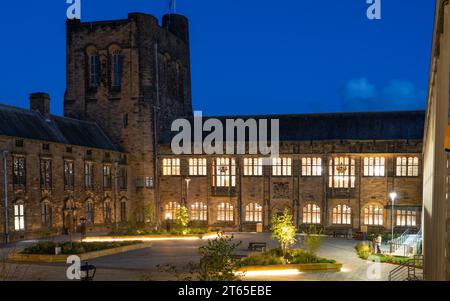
{"type": "Point", "coordinates": [17, 122]}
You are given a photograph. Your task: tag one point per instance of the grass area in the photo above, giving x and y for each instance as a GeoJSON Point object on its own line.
{"type": "Point", "coordinates": [67, 248]}
{"type": "Point", "coordinates": [140, 232]}
{"type": "Point", "coordinates": [364, 251]}
{"type": "Point", "coordinates": [274, 257]}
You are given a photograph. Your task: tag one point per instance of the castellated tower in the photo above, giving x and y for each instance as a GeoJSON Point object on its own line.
{"type": "Point", "coordinates": [133, 78]}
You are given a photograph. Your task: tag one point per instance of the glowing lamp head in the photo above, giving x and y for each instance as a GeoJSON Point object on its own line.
{"type": "Point", "coordinates": [393, 196]}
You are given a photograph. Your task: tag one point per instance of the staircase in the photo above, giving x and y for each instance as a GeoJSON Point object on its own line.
{"type": "Point", "coordinates": [408, 244]}
{"type": "Point", "coordinates": [409, 271]}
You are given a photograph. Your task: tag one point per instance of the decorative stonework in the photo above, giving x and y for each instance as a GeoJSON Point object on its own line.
{"type": "Point", "coordinates": [281, 190]}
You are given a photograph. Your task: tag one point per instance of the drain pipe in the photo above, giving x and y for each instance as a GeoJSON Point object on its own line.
{"type": "Point", "coordinates": [5, 175]}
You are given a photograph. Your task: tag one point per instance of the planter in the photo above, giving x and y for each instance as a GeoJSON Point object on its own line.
{"type": "Point", "coordinates": [306, 267]}
{"type": "Point", "coordinates": [16, 257]}
{"type": "Point", "coordinates": [148, 237]}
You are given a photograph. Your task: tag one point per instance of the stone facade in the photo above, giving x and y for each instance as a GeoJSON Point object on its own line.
{"type": "Point", "coordinates": [130, 79]}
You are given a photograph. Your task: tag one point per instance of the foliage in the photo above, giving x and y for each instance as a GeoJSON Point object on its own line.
{"type": "Point", "coordinates": [73, 248]}
{"type": "Point", "coordinates": [275, 256]}
{"type": "Point", "coordinates": [150, 216]}
{"type": "Point", "coordinates": [365, 251]}
{"type": "Point", "coordinates": [182, 219]}
{"type": "Point", "coordinates": [139, 232]}
{"type": "Point", "coordinates": [312, 239]}
{"type": "Point", "coordinates": [283, 230]}
{"type": "Point", "coordinates": [384, 237]}
{"type": "Point", "coordinates": [217, 262]}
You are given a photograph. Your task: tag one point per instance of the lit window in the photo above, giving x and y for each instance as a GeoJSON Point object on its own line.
{"type": "Point", "coordinates": [94, 67]}
{"type": "Point", "coordinates": [253, 166]}
{"type": "Point", "coordinates": [117, 68]}
{"type": "Point", "coordinates": [46, 174]}
{"type": "Point", "coordinates": [373, 215]}
{"type": "Point", "coordinates": [281, 166]}
{"type": "Point", "coordinates": [90, 212]}
{"type": "Point", "coordinates": [171, 167]}
{"type": "Point", "coordinates": [224, 172]}
{"type": "Point", "coordinates": [107, 177]}
{"type": "Point", "coordinates": [342, 173]}
{"type": "Point", "coordinates": [253, 213]}
{"type": "Point", "coordinates": [311, 167]}
{"type": "Point", "coordinates": [225, 212]}
{"type": "Point", "coordinates": [89, 175]}
{"type": "Point", "coordinates": [19, 217]}
{"type": "Point", "coordinates": [46, 215]}
{"type": "Point", "coordinates": [374, 166]}
{"type": "Point", "coordinates": [407, 167]}
{"type": "Point", "coordinates": [107, 211]}
{"type": "Point", "coordinates": [342, 215]}
{"type": "Point", "coordinates": [68, 175]}
{"type": "Point", "coordinates": [311, 214]}
{"type": "Point", "coordinates": [171, 210]}
{"type": "Point", "coordinates": [406, 218]}
{"type": "Point", "coordinates": [197, 167]}
{"type": "Point", "coordinates": [199, 212]}
{"type": "Point", "coordinates": [19, 172]}
{"type": "Point", "coordinates": [123, 211]}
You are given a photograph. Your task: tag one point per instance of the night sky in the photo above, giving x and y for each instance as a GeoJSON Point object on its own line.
{"type": "Point", "coordinates": [248, 56]}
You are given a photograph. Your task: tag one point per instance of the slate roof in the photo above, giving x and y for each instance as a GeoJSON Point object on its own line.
{"type": "Point", "coordinates": [17, 122]}
{"type": "Point", "coordinates": [388, 125]}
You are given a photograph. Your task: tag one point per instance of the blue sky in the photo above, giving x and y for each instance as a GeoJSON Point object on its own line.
{"type": "Point", "coordinates": [248, 56]}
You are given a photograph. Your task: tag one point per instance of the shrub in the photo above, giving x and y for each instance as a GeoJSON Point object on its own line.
{"type": "Point", "coordinates": [283, 230]}
{"type": "Point", "coordinates": [312, 239]}
{"type": "Point", "coordinates": [364, 250]}
{"type": "Point", "coordinates": [73, 248]}
{"type": "Point", "coordinates": [266, 258]}
{"type": "Point", "coordinates": [275, 256]}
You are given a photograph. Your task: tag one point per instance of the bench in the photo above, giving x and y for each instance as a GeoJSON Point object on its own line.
{"type": "Point", "coordinates": [257, 246]}
{"type": "Point", "coordinates": [343, 233]}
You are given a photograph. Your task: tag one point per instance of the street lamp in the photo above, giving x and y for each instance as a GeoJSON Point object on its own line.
{"type": "Point", "coordinates": [393, 196]}
{"type": "Point", "coordinates": [187, 190]}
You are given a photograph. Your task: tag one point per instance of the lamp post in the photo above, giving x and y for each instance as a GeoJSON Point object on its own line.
{"type": "Point", "coordinates": [5, 177]}
{"type": "Point", "coordinates": [393, 196]}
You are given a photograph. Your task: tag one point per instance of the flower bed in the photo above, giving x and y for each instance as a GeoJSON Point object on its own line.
{"type": "Point", "coordinates": [147, 232]}
{"type": "Point", "coordinates": [74, 248]}
{"type": "Point", "coordinates": [274, 257]}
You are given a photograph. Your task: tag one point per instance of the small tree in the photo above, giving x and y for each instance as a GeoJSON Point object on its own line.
{"type": "Point", "coordinates": [217, 262]}
{"type": "Point", "coordinates": [182, 219]}
{"type": "Point", "coordinates": [283, 230]}
{"type": "Point", "coordinates": [312, 239]}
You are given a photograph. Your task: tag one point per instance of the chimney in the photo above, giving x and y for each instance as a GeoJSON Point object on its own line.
{"type": "Point", "coordinates": [40, 102]}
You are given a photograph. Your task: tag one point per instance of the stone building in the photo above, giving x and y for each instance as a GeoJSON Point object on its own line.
{"type": "Point", "coordinates": [109, 163]}
{"type": "Point", "coordinates": [436, 236]}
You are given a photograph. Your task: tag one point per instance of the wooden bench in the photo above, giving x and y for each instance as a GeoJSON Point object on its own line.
{"type": "Point", "coordinates": [257, 246]}
{"type": "Point", "coordinates": [341, 233]}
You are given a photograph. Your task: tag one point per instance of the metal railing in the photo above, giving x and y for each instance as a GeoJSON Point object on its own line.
{"type": "Point", "coordinates": [409, 242]}
{"type": "Point", "coordinates": [409, 271]}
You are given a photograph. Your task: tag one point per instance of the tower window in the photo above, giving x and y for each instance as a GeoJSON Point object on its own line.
{"type": "Point", "coordinates": [117, 69]}
{"type": "Point", "coordinates": [94, 70]}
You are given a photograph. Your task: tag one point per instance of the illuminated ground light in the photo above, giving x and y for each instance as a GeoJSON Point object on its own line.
{"type": "Point", "coordinates": [134, 238]}
{"type": "Point", "coordinates": [345, 270]}
{"type": "Point", "coordinates": [269, 273]}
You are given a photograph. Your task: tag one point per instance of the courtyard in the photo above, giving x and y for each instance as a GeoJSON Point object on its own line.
{"type": "Point", "coordinates": [143, 264]}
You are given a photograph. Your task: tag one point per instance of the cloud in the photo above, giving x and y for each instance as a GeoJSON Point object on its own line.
{"type": "Point", "coordinates": [361, 95]}
{"type": "Point", "coordinates": [359, 88]}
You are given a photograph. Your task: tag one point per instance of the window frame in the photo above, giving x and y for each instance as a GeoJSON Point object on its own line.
{"type": "Point", "coordinates": [116, 60]}
{"type": "Point", "coordinates": [69, 175]}
{"type": "Point", "coordinates": [198, 167]}
{"type": "Point", "coordinates": [370, 166]}
{"type": "Point", "coordinates": [374, 213]}
{"type": "Point", "coordinates": [171, 167]}
{"type": "Point", "coordinates": [225, 212]}
{"type": "Point", "coordinates": [46, 173]}
{"type": "Point", "coordinates": [107, 177]}
{"type": "Point", "coordinates": [199, 212]}
{"type": "Point", "coordinates": [282, 167]}
{"type": "Point", "coordinates": [253, 213]}
{"type": "Point", "coordinates": [405, 218]}
{"type": "Point", "coordinates": [89, 175]}
{"type": "Point", "coordinates": [342, 180]}
{"type": "Point", "coordinates": [311, 166]}
{"type": "Point", "coordinates": [224, 172]}
{"type": "Point", "coordinates": [408, 170]}
{"type": "Point", "coordinates": [46, 214]}
{"type": "Point", "coordinates": [19, 172]}
{"type": "Point", "coordinates": [19, 217]}
{"type": "Point", "coordinates": [171, 210]}
{"type": "Point", "coordinates": [312, 214]}
{"type": "Point", "coordinates": [342, 215]}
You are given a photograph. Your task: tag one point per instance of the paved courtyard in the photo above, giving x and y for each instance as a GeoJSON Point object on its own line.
{"type": "Point", "coordinates": [142, 264]}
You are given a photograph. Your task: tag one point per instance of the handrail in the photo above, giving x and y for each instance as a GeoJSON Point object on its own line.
{"type": "Point", "coordinates": [408, 269]}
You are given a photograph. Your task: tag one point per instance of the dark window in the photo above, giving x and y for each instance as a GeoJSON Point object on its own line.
{"type": "Point", "coordinates": [46, 215]}
{"type": "Point", "coordinates": [107, 179]}
{"type": "Point", "coordinates": [68, 150]}
{"type": "Point", "coordinates": [123, 179]}
{"type": "Point", "coordinates": [88, 153]}
{"type": "Point", "coordinates": [94, 75]}
{"type": "Point", "coordinates": [107, 212]}
{"type": "Point", "coordinates": [19, 172]}
{"type": "Point", "coordinates": [123, 211]}
{"type": "Point", "coordinates": [69, 177]}
{"type": "Point", "coordinates": [46, 174]}
{"type": "Point", "coordinates": [46, 146]}
{"type": "Point", "coordinates": [19, 143]}
{"type": "Point", "coordinates": [117, 69]}
{"type": "Point", "coordinates": [90, 212]}
{"type": "Point", "coordinates": [89, 175]}
{"type": "Point", "coordinates": [107, 155]}
{"type": "Point", "coordinates": [125, 120]}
